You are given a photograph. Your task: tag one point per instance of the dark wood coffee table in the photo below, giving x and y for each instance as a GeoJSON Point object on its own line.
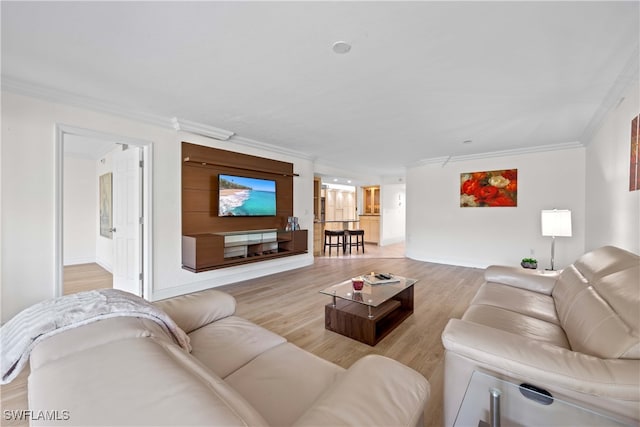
{"type": "Point", "coordinates": [370, 314]}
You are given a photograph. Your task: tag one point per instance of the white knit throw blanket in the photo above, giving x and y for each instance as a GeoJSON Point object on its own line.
{"type": "Point", "coordinates": [40, 321]}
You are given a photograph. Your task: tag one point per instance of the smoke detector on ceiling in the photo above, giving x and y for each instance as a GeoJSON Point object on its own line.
{"type": "Point", "coordinates": [341, 47]}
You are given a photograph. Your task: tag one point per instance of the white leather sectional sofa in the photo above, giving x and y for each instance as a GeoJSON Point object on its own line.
{"type": "Point", "coordinates": [128, 371]}
{"type": "Point", "coordinates": [575, 334]}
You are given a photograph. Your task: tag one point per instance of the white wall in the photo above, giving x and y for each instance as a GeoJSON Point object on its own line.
{"type": "Point", "coordinates": [28, 205]}
{"type": "Point", "coordinates": [613, 212]}
{"type": "Point", "coordinates": [393, 201]}
{"type": "Point", "coordinates": [439, 230]}
{"type": "Point", "coordinates": [80, 213]}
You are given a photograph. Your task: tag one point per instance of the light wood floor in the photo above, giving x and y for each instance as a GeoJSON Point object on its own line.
{"type": "Point", "coordinates": [371, 250]}
{"type": "Point", "coordinates": [290, 304]}
{"type": "Point", "coordinates": [86, 277]}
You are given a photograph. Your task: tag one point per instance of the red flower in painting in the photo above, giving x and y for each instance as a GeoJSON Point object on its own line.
{"type": "Point", "coordinates": [470, 186]}
{"type": "Point", "coordinates": [500, 201]}
{"type": "Point", "coordinates": [512, 186]}
{"type": "Point", "coordinates": [510, 174]}
{"type": "Point", "coordinates": [479, 176]}
{"type": "Point", "coordinates": [486, 192]}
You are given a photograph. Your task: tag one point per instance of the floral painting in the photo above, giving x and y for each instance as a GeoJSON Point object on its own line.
{"type": "Point", "coordinates": [106, 195]}
{"type": "Point", "coordinates": [489, 189]}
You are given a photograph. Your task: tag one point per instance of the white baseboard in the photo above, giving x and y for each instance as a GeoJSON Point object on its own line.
{"type": "Point", "coordinates": [107, 266]}
{"type": "Point", "coordinates": [391, 241]}
{"type": "Point", "coordinates": [88, 260]}
{"type": "Point", "coordinates": [78, 260]}
{"type": "Point", "coordinates": [225, 276]}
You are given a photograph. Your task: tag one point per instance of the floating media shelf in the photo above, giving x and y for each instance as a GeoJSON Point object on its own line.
{"type": "Point", "coordinates": [209, 251]}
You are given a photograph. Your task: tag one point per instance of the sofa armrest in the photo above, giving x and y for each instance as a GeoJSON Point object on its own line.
{"type": "Point", "coordinates": [374, 391]}
{"type": "Point", "coordinates": [532, 280]}
{"type": "Point", "coordinates": [543, 363]}
{"type": "Point", "coordinates": [193, 311]}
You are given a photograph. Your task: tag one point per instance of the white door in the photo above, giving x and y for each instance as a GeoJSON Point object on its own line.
{"type": "Point", "coordinates": [127, 218]}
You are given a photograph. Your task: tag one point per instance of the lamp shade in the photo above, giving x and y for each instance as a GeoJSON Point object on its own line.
{"type": "Point", "coordinates": [556, 222]}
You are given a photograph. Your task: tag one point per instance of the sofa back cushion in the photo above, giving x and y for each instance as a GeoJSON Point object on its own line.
{"type": "Point", "coordinates": [604, 261]}
{"type": "Point", "coordinates": [193, 311]}
{"type": "Point", "coordinates": [597, 301]}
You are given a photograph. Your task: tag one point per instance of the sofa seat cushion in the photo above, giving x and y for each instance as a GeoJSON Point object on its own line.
{"type": "Point", "coordinates": [533, 280]}
{"type": "Point", "coordinates": [374, 391]}
{"type": "Point", "coordinates": [230, 343]}
{"type": "Point", "coordinates": [136, 382]}
{"type": "Point", "coordinates": [516, 323]}
{"type": "Point", "coordinates": [283, 382]}
{"type": "Point", "coordinates": [528, 303]}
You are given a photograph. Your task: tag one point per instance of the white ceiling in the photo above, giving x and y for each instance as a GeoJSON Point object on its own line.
{"type": "Point", "coordinates": [421, 77]}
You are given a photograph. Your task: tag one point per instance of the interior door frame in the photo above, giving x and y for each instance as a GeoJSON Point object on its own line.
{"type": "Point", "coordinates": [147, 202]}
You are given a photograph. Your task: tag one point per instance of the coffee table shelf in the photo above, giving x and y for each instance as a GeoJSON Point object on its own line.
{"type": "Point", "coordinates": [355, 315]}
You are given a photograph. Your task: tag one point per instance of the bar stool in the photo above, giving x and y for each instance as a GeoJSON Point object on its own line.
{"type": "Point", "coordinates": [328, 240]}
{"type": "Point", "coordinates": [359, 235]}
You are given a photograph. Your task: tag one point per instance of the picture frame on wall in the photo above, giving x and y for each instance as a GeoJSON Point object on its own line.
{"type": "Point", "coordinates": [490, 189]}
{"type": "Point", "coordinates": [634, 160]}
{"type": "Point", "coordinates": [106, 205]}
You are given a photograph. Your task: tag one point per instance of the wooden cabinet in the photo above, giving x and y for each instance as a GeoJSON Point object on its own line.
{"type": "Point", "coordinates": [317, 198]}
{"type": "Point", "coordinates": [371, 226]}
{"type": "Point", "coordinates": [370, 219]}
{"type": "Point", "coordinates": [371, 200]}
{"type": "Point", "coordinates": [208, 251]}
{"type": "Point", "coordinates": [318, 238]}
{"type": "Point", "coordinates": [330, 204]}
{"type": "Point", "coordinates": [340, 205]}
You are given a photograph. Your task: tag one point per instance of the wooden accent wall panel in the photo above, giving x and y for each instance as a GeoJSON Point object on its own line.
{"type": "Point", "coordinates": [200, 189]}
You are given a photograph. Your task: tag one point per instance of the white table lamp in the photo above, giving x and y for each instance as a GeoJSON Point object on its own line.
{"type": "Point", "coordinates": [556, 223]}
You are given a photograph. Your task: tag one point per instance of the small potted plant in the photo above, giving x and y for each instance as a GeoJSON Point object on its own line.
{"type": "Point", "coordinates": [529, 263]}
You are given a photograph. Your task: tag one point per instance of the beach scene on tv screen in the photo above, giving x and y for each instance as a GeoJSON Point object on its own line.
{"type": "Point", "coordinates": [242, 196]}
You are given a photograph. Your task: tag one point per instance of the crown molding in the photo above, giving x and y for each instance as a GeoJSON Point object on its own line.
{"type": "Point", "coordinates": [251, 143]}
{"type": "Point", "coordinates": [22, 87]}
{"type": "Point", "coordinates": [201, 129]}
{"type": "Point", "coordinates": [444, 160]}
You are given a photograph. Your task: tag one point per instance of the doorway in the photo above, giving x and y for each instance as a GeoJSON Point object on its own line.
{"type": "Point", "coordinates": [121, 245]}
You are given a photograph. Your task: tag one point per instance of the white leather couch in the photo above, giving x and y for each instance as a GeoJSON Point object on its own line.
{"type": "Point", "coordinates": [128, 371]}
{"type": "Point", "coordinates": [575, 333]}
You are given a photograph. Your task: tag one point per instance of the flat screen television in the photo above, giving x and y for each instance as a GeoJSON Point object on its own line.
{"type": "Point", "coordinates": [244, 196]}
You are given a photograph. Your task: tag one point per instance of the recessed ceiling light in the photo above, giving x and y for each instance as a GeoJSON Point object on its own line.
{"type": "Point", "coordinates": [341, 47]}
{"type": "Point", "coordinates": [335, 179]}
